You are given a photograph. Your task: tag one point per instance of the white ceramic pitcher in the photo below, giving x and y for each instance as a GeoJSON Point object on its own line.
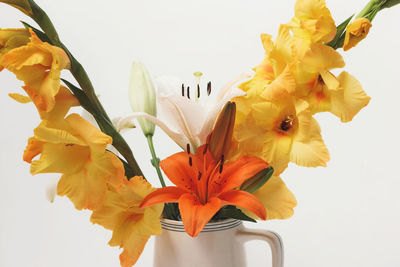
{"type": "Point", "coordinates": [220, 244]}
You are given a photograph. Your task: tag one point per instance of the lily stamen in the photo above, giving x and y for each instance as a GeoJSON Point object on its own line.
{"type": "Point", "coordinates": [209, 88]}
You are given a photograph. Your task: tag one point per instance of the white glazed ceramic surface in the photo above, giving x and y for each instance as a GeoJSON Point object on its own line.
{"type": "Point", "coordinates": [220, 244]}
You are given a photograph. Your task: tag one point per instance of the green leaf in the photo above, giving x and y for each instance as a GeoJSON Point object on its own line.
{"type": "Point", "coordinates": [128, 171]}
{"type": "Point", "coordinates": [258, 180]}
{"type": "Point", "coordinates": [337, 42]}
{"type": "Point", "coordinates": [234, 213]}
{"type": "Point", "coordinates": [42, 36]}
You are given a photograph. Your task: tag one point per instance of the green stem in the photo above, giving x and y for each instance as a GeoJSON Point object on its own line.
{"type": "Point", "coordinates": [155, 160]}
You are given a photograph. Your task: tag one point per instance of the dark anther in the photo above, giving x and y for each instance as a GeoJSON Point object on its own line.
{"type": "Point", "coordinates": [222, 159]}
{"type": "Point", "coordinates": [287, 123]}
{"type": "Point", "coordinates": [208, 88]}
{"type": "Point", "coordinates": [188, 92]}
{"type": "Point", "coordinates": [199, 177]}
{"type": "Point", "coordinates": [69, 145]}
{"type": "Point", "coordinates": [320, 80]}
{"type": "Point", "coordinates": [188, 148]}
{"type": "Point", "coordinates": [198, 91]}
{"type": "Point", "coordinates": [190, 161]}
{"type": "Point", "coordinates": [183, 89]}
{"type": "Point", "coordinates": [221, 167]}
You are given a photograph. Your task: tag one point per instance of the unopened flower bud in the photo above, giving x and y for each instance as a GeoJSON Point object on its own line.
{"type": "Point", "coordinates": [142, 96]}
{"type": "Point", "coordinates": [356, 32]}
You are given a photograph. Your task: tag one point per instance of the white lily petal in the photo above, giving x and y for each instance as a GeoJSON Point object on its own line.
{"type": "Point", "coordinates": [183, 114]}
{"type": "Point", "coordinates": [214, 108]}
{"type": "Point", "coordinates": [168, 85]}
{"type": "Point", "coordinates": [179, 138]}
{"type": "Point", "coordinates": [226, 90]}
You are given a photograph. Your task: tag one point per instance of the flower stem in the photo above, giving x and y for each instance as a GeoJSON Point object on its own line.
{"type": "Point", "coordinates": [155, 160]}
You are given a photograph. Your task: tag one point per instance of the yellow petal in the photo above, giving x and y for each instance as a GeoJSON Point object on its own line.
{"type": "Point", "coordinates": [350, 99]}
{"type": "Point", "coordinates": [310, 151]}
{"type": "Point", "coordinates": [131, 225]}
{"type": "Point", "coordinates": [20, 98]}
{"type": "Point", "coordinates": [276, 198]}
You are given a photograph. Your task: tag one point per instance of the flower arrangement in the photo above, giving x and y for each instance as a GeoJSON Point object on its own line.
{"type": "Point", "coordinates": [234, 149]}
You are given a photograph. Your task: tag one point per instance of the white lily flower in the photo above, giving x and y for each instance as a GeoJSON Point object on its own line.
{"type": "Point", "coordinates": [186, 116]}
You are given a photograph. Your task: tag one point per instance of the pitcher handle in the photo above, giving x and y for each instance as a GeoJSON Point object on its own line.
{"type": "Point", "coordinates": [272, 238]}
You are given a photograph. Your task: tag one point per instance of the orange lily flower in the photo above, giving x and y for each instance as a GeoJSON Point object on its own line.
{"type": "Point", "coordinates": [204, 185]}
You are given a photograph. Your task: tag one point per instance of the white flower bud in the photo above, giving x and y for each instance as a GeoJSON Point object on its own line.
{"type": "Point", "coordinates": [142, 96]}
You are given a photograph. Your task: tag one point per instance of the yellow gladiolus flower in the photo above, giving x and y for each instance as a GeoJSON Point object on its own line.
{"type": "Point", "coordinates": [356, 32]}
{"type": "Point", "coordinates": [22, 5]}
{"type": "Point", "coordinates": [279, 131]}
{"type": "Point", "coordinates": [131, 225]}
{"type": "Point", "coordinates": [39, 65]}
{"type": "Point", "coordinates": [312, 23]}
{"type": "Point", "coordinates": [76, 149]}
{"type": "Point", "coordinates": [278, 55]}
{"type": "Point", "coordinates": [12, 38]}
{"type": "Point", "coordinates": [276, 198]}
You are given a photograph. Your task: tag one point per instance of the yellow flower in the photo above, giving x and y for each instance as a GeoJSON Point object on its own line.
{"type": "Point", "coordinates": [131, 225]}
{"type": "Point", "coordinates": [76, 149]}
{"type": "Point", "coordinates": [39, 65]}
{"type": "Point", "coordinates": [12, 38]}
{"type": "Point", "coordinates": [343, 96]}
{"type": "Point", "coordinates": [22, 5]}
{"type": "Point", "coordinates": [276, 198]}
{"type": "Point", "coordinates": [278, 55]}
{"type": "Point", "coordinates": [312, 23]}
{"type": "Point", "coordinates": [279, 131]}
{"type": "Point", "coordinates": [355, 32]}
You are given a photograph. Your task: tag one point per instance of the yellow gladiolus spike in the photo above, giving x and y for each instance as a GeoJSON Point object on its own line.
{"type": "Point", "coordinates": [131, 225]}
{"type": "Point", "coordinates": [356, 32]}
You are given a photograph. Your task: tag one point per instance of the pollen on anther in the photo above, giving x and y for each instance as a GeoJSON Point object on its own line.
{"type": "Point", "coordinates": [208, 88]}
{"type": "Point", "coordinates": [199, 177]}
{"type": "Point", "coordinates": [188, 92]}
{"type": "Point", "coordinates": [190, 161]}
{"type": "Point", "coordinates": [198, 91]}
{"type": "Point", "coordinates": [183, 89]}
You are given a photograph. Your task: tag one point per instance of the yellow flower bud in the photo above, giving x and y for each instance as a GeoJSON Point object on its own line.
{"type": "Point", "coordinates": [22, 5]}
{"type": "Point", "coordinates": [355, 32]}
{"type": "Point", "coordinates": [142, 96]}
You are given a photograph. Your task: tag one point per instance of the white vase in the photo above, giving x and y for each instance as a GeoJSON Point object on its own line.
{"type": "Point", "coordinates": [220, 244]}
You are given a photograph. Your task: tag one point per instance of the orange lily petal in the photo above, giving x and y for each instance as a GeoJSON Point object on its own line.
{"type": "Point", "coordinates": [245, 200]}
{"type": "Point", "coordinates": [196, 215]}
{"type": "Point", "coordinates": [178, 170]}
{"type": "Point", "coordinates": [235, 173]}
{"type": "Point", "coordinates": [162, 195]}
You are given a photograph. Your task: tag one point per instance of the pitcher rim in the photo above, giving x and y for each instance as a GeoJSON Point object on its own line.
{"type": "Point", "coordinates": [177, 226]}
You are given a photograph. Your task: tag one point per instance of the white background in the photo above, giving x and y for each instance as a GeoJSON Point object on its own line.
{"type": "Point", "coordinates": [348, 213]}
